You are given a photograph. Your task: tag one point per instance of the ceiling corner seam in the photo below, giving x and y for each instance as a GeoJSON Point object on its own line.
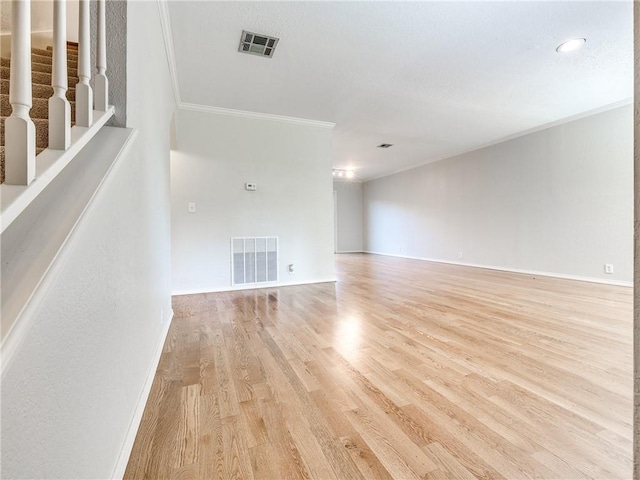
{"type": "Point", "coordinates": [165, 23]}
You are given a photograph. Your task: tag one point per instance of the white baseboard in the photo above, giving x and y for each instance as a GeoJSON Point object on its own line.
{"type": "Point", "coordinates": [350, 251]}
{"type": "Point", "coordinates": [618, 283]}
{"type": "Point", "coordinates": [127, 446]}
{"type": "Point", "coordinates": [253, 286]}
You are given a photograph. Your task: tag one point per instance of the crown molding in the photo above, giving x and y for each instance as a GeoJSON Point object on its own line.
{"type": "Point", "coordinates": [539, 128]}
{"type": "Point", "coordinates": [254, 115]}
{"type": "Point", "coordinates": [165, 22]}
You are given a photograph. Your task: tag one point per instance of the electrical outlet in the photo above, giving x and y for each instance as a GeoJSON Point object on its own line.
{"type": "Point", "coordinates": [291, 269]}
{"type": "Point", "coordinates": [608, 268]}
{"type": "Point", "coordinates": [459, 254]}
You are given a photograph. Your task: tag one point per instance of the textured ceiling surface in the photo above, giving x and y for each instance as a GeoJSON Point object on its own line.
{"type": "Point", "coordinates": [432, 78]}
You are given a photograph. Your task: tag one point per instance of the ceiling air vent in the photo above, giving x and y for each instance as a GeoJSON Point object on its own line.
{"type": "Point", "coordinates": [385, 145]}
{"type": "Point", "coordinates": [257, 44]}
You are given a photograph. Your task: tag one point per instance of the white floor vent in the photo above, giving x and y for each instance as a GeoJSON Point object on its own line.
{"type": "Point", "coordinates": [254, 260]}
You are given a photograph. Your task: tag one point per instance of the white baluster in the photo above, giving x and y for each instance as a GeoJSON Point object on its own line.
{"type": "Point", "coordinates": [84, 93]}
{"type": "Point", "coordinates": [20, 132]}
{"type": "Point", "coordinates": [59, 107]}
{"type": "Point", "coordinates": [100, 81]}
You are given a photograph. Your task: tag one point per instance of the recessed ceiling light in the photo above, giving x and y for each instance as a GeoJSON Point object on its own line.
{"type": "Point", "coordinates": [349, 174]}
{"type": "Point", "coordinates": [571, 45]}
{"type": "Point", "coordinates": [385, 145]}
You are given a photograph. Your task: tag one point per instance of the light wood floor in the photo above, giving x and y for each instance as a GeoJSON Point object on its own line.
{"type": "Point", "coordinates": [402, 369]}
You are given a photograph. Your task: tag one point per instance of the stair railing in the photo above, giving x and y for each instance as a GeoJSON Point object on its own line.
{"type": "Point", "coordinates": [20, 132]}
{"type": "Point", "coordinates": [101, 81]}
{"type": "Point", "coordinates": [59, 107]}
{"type": "Point", "coordinates": [84, 94]}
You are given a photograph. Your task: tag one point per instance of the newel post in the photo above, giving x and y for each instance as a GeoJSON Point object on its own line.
{"type": "Point", "coordinates": [59, 107]}
{"type": "Point", "coordinates": [20, 132]}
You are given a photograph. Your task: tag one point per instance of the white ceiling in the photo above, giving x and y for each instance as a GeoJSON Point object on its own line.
{"type": "Point", "coordinates": [433, 78]}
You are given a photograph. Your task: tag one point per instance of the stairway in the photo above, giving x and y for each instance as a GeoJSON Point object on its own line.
{"type": "Point", "coordinates": [42, 90]}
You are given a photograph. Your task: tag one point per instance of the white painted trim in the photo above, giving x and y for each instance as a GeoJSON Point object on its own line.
{"type": "Point", "coordinates": [562, 121]}
{"type": "Point", "coordinates": [132, 431]}
{"type": "Point", "coordinates": [33, 32]}
{"type": "Point", "coordinates": [347, 180]}
{"type": "Point", "coordinates": [335, 221]}
{"type": "Point", "coordinates": [16, 198]}
{"type": "Point", "coordinates": [22, 325]}
{"type": "Point", "coordinates": [252, 287]}
{"type": "Point", "coordinates": [351, 251]}
{"type": "Point", "coordinates": [165, 22]}
{"type": "Point", "coordinates": [255, 115]}
{"type": "Point", "coordinates": [617, 283]}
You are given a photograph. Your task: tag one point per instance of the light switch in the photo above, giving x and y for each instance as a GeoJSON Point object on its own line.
{"type": "Point", "coordinates": [192, 207]}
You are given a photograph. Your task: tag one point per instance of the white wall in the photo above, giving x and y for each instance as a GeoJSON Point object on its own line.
{"type": "Point", "coordinates": [558, 201]}
{"type": "Point", "coordinates": [291, 165]}
{"type": "Point", "coordinates": [73, 12]}
{"type": "Point", "coordinates": [349, 216]}
{"type": "Point", "coordinates": [41, 15]}
{"type": "Point", "coordinates": [74, 386]}
{"type": "Point", "coordinates": [41, 23]}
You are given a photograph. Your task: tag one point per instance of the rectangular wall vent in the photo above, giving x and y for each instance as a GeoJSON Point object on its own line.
{"type": "Point", "coordinates": [257, 44]}
{"type": "Point", "coordinates": [254, 260]}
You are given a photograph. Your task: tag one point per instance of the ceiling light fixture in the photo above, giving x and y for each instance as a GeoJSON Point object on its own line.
{"type": "Point", "coordinates": [571, 45]}
{"type": "Point", "coordinates": [343, 173]}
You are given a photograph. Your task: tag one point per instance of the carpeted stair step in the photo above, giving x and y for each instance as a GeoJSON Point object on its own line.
{"type": "Point", "coordinates": [38, 150]}
{"type": "Point", "coordinates": [71, 54]}
{"type": "Point", "coordinates": [72, 62]}
{"type": "Point", "coordinates": [39, 109]}
{"type": "Point", "coordinates": [42, 131]}
{"type": "Point", "coordinates": [36, 77]}
{"type": "Point", "coordinates": [71, 47]}
{"type": "Point", "coordinates": [72, 71]}
{"type": "Point", "coordinates": [39, 91]}
{"type": "Point", "coordinates": [47, 68]}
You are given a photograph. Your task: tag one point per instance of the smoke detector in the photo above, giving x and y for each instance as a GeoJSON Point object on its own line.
{"type": "Point", "coordinates": [257, 44]}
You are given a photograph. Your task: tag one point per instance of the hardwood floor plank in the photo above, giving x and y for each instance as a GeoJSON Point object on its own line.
{"type": "Point", "coordinates": [262, 462]}
{"type": "Point", "coordinates": [211, 446]}
{"type": "Point", "coordinates": [188, 425]}
{"type": "Point", "coordinates": [402, 369]}
{"type": "Point", "coordinates": [286, 458]}
{"type": "Point", "coordinates": [367, 462]}
{"type": "Point", "coordinates": [236, 461]}
{"type": "Point", "coordinates": [447, 463]}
